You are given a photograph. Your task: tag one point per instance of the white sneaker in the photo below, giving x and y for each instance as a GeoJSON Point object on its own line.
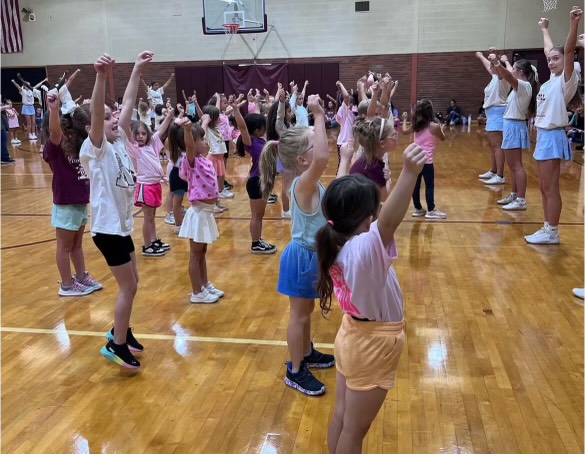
{"type": "Point", "coordinates": [435, 214]}
{"type": "Point", "coordinates": [75, 289]}
{"type": "Point", "coordinates": [544, 236]}
{"type": "Point", "coordinates": [579, 292]}
{"type": "Point", "coordinates": [214, 291]}
{"type": "Point", "coordinates": [419, 213]}
{"type": "Point", "coordinates": [170, 219]}
{"type": "Point", "coordinates": [285, 214]}
{"type": "Point", "coordinates": [225, 194]}
{"type": "Point", "coordinates": [13, 141]}
{"type": "Point", "coordinates": [486, 176]}
{"type": "Point", "coordinates": [34, 137]}
{"type": "Point", "coordinates": [496, 179]}
{"type": "Point", "coordinates": [30, 137]}
{"type": "Point", "coordinates": [17, 141]}
{"type": "Point", "coordinates": [515, 205]}
{"type": "Point", "coordinates": [508, 199]}
{"type": "Point", "coordinates": [204, 297]}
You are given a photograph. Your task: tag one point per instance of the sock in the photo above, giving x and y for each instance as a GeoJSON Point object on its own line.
{"type": "Point", "coordinates": [291, 369]}
{"type": "Point", "coordinates": [521, 199]}
{"type": "Point", "coordinates": [513, 194]}
{"type": "Point", "coordinates": [546, 225]}
{"type": "Point", "coordinates": [553, 228]}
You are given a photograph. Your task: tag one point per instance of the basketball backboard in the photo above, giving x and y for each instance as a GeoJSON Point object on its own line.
{"type": "Point", "coordinates": [250, 15]}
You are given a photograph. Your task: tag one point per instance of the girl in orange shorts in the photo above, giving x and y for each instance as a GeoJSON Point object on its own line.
{"type": "Point", "coordinates": [356, 253]}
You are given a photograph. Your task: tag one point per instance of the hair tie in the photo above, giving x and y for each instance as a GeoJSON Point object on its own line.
{"type": "Point", "coordinates": [330, 222]}
{"type": "Point", "coordinates": [277, 143]}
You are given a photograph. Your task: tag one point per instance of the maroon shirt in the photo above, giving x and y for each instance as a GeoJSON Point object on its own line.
{"type": "Point", "coordinates": [373, 171]}
{"type": "Point", "coordinates": [70, 182]}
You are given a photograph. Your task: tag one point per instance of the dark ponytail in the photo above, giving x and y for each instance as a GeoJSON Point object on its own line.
{"type": "Point", "coordinates": [532, 77]}
{"type": "Point", "coordinates": [347, 202]}
{"type": "Point", "coordinates": [74, 130]}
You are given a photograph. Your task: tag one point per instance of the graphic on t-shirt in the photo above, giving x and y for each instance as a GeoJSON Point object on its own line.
{"type": "Point", "coordinates": [81, 175]}
{"type": "Point", "coordinates": [342, 290]}
{"type": "Point", "coordinates": [126, 177]}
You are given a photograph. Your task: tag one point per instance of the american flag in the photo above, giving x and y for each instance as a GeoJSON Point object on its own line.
{"type": "Point", "coordinates": [11, 30]}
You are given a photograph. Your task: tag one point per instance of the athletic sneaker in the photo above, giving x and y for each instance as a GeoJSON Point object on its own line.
{"type": "Point", "coordinates": [170, 219]}
{"type": "Point", "coordinates": [544, 236]}
{"type": "Point", "coordinates": [304, 381]}
{"type": "Point", "coordinates": [9, 162]}
{"type": "Point", "coordinates": [159, 244]}
{"type": "Point", "coordinates": [153, 251]}
{"type": "Point", "coordinates": [227, 185]}
{"type": "Point", "coordinates": [89, 282]}
{"type": "Point", "coordinates": [435, 214]}
{"type": "Point", "coordinates": [272, 198]}
{"type": "Point", "coordinates": [285, 214]}
{"type": "Point", "coordinates": [508, 199]}
{"type": "Point", "coordinates": [319, 360]}
{"type": "Point", "coordinates": [133, 344]}
{"type": "Point", "coordinates": [204, 297]}
{"type": "Point", "coordinates": [120, 354]}
{"type": "Point", "coordinates": [34, 137]}
{"type": "Point", "coordinates": [214, 291]}
{"type": "Point", "coordinates": [225, 194]}
{"type": "Point", "coordinates": [579, 292]}
{"type": "Point", "coordinates": [262, 247]}
{"type": "Point", "coordinates": [220, 208]}
{"type": "Point", "coordinates": [75, 289]}
{"type": "Point", "coordinates": [515, 205]}
{"type": "Point", "coordinates": [419, 213]}
{"type": "Point", "coordinates": [496, 179]}
{"type": "Point", "coordinates": [487, 175]}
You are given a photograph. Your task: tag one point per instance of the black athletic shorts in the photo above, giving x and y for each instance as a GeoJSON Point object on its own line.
{"type": "Point", "coordinates": [116, 249]}
{"type": "Point", "coordinates": [253, 188]}
{"type": "Point", "coordinates": [227, 147]}
{"type": "Point", "coordinates": [177, 185]}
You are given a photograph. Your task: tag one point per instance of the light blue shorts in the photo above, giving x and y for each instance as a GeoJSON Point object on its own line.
{"type": "Point", "coordinates": [495, 118]}
{"type": "Point", "coordinates": [552, 144]}
{"type": "Point", "coordinates": [515, 135]}
{"type": "Point", "coordinates": [69, 217]}
{"type": "Point", "coordinates": [28, 110]}
{"type": "Point", "coordinates": [299, 272]}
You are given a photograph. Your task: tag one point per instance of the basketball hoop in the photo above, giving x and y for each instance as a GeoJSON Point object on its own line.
{"type": "Point", "coordinates": [549, 5]}
{"type": "Point", "coordinates": [232, 29]}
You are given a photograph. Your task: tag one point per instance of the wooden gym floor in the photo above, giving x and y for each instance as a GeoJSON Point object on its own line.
{"type": "Point", "coordinates": [493, 361]}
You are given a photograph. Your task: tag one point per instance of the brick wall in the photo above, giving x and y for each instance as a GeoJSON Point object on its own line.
{"type": "Point", "coordinates": [439, 76]}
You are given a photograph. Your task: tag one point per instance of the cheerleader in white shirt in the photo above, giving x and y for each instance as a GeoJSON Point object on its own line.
{"type": "Point", "coordinates": [552, 144]}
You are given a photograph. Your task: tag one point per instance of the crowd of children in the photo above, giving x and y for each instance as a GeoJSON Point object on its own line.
{"type": "Point", "coordinates": [343, 236]}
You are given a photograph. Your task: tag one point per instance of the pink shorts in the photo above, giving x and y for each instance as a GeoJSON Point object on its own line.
{"type": "Point", "coordinates": [218, 163]}
{"type": "Point", "coordinates": [148, 194]}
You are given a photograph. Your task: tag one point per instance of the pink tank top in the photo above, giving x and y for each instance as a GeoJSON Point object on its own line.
{"type": "Point", "coordinates": [427, 142]}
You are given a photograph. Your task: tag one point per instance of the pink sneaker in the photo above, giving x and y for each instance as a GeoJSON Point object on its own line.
{"type": "Point", "coordinates": [89, 282]}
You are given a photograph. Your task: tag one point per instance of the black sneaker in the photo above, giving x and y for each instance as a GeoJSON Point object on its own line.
{"type": "Point", "coordinates": [120, 354]}
{"type": "Point", "coordinates": [272, 198]}
{"type": "Point", "coordinates": [159, 244]}
{"type": "Point", "coordinates": [8, 162]}
{"type": "Point", "coordinates": [261, 247]}
{"type": "Point", "coordinates": [133, 345]}
{"type": "Point", "coordinates": [304, 381]}
{"type": "Point", "coordinates": [228, 186]}
{"type": "Point", "coordinates": [153, 251]}
{"type": "Point", "coordinates": [319, 360]}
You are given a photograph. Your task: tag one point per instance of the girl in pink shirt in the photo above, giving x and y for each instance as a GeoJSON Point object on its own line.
{"type": "Point", "coordinates": [355, 262]}
{"type": "Point", "coordinates": [145, 148]}
{"type": "Point", "coordinates": [426, 133]}
{"type": "Point", "coordinates": [198, 224]}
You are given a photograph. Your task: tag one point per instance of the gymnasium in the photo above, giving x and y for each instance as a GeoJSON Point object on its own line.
{"type": "Point", "coordinates": [323, 226]}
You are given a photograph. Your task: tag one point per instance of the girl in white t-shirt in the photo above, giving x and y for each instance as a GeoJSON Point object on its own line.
{"type": "Point", "coordinates": [552, 144]}
{"type": "Point", "coordinates": [106, 160]}
{"type": "Point", "coordinates": [29, 93]}
{"type": "Point", "coordinates": [494, 103]}
{"type": "Point", "coordinates": [520, 109]}
{"type": "Point", "coordinates": [355, 262]}
{"type": "Point", "coordinates": [217, 150]}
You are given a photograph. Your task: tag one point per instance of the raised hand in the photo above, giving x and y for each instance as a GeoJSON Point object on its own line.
{"type": "Point", "coordinates": [346, 150]}
{"type": "Point", "coordinates": [52, 101]}
{"type": "Point", "coordinates": [479, 54]}
{"type": "Point", "coordinates": [103, 64]}
{"type": "Point", "coordinates": [504, 58]}
{"type": "Point", "coordinates": [576, 14]}
{"type": "Point", "coordinates": [414, 158]}
{"type": "Point", "coordinates": [314, 105]}
{"type": "Point", "coordinates": [543, 23]}
{"type": "Point", "coordinates": [144, 58]}
{"type": "Point", "coordinates": [493, 58]}
{"type": "Point", "coordinates": [183, 122]}
{"type": "Point", "coordinates": [205, 119]}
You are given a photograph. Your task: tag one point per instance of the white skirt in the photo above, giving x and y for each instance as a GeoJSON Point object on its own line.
{"type": "Point", "coordinates": [199, 224]}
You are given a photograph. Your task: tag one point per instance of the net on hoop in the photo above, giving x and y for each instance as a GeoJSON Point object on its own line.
{"type": "Point", "coordinates": [232, 29]}
{"type": "Point", "coordinates": [549, 5]}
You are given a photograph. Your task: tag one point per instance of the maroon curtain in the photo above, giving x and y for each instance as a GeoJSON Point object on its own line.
{"type": "Point", "coordinates": [239, 79]}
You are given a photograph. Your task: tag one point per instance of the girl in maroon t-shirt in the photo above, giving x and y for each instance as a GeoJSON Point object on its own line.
{"type": "Point", "coordinates": [70, 197]}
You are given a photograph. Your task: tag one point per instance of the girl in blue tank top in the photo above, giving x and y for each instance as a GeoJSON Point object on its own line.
{"type": "Point", "coordinates": [304, 153]}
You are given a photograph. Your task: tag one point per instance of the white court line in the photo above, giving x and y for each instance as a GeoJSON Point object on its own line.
{"type": "Point", "coordinates": [172, 337]}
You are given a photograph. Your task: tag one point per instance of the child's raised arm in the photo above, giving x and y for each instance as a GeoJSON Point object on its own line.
{"type": "Point", "coordinates": [72, 77]}
{"type": "Point", "coordinates": [571, 42]}
{"type": "Point", "coordinates": [373, 107]}
{"type": "Point", "coordinates": [346, 152]}
{"type": "Point", "coordinates": [344, 93]}
{"type": "Point", "coordinates": [395, 206]}
{"type": "Point", "coordinates": [40, 83]}
{"type": "Point", "coordinates": [162, 129]}
{"type": "Point", "coordinates": [244, 133]}
{"type": "Point", "coordinates": [486, 63]}
{"type": "Point", "coordinates": [308, 180]}
{"type": "Point", "coordinates": [503, 72]}
{"type": "Point", "coordinates": [305, 88]}
{"type": "Point", "coordinates": [98, 98]}
{"type": "Point", "coordinates": [548, 42]}
{"type": "Point", "coordinates": [54, 120]}
{"type": "Point", "coordinates": [190, 147]}
{"type": "Point", "coordinates": [131, 90]}
{"type": "Point", "coordinates": [17, 86]}
{"type": "Point", "coordinates": [168, 82]}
